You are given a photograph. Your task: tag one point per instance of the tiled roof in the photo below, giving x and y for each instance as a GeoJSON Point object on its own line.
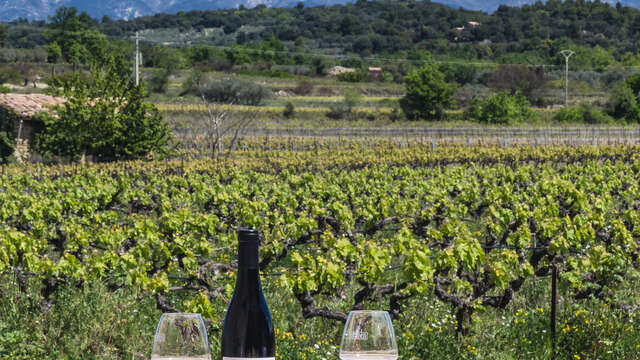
{"type": "Point", "coordinates": [29, 104]}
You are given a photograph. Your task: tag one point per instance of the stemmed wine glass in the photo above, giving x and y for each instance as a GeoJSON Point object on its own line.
{"type": "Point", "coordinates": [181, 336]}
{"type": "Point", "coordinates": [368, 335]}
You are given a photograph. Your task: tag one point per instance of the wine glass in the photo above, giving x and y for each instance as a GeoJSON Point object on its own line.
{"type": "Point", "coordinates": [181, 336]}
{"type": "Point", "coordinates": [368, 335]}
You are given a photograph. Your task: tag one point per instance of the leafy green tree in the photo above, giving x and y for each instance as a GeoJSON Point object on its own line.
{"type": "Point", "coordinates": [105, 117]}
{"type": "Point", "coordinates": [76, 36]}
{"type": "Point", "coordinates": [501, 109]}
{"type": "Point", "coordinates": [428, 95]}
{"type": "Point", "coordinates": [54, 52]}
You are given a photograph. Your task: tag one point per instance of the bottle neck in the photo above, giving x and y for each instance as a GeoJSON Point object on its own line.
{"type": "Point", "coordinates": [248, 256]}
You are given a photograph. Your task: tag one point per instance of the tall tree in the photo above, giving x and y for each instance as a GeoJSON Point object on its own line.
{"type": "Point", "coordinates": [428, 95]}
{"type": "Point", "coordinates": [105, 117]}
{"type": "Point", "coordinates": [3, 35]}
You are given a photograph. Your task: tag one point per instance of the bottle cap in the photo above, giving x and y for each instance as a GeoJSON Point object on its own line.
{"type": "Point", "coordinates": [248, 235]}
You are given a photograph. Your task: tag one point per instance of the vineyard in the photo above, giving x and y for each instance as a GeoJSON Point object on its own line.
{"type": "Point", "coordinates": [458, 243]}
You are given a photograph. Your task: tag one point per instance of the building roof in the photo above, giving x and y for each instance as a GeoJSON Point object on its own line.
{"type": "Point", "coordinates": [28, 105]}
{"type": "Point", "coordinates": [375, 68]}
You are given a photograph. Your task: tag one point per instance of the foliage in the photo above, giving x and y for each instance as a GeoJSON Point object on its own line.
{"type": "Point", "coordinates": [527, 80]}
{"type": "Point", "coordinates": [303, 88]}
{"type": "Point", "coordinates": [105, 117]}
{"type": "Point", "coordinates": [9, 75]}
{"type": "Point", "coordinates": [7, 141]}
{"type": "Point", "coordinates": [583, 114]}
{"type": "Point", "coordinates": [501, 109]}
{"type": "Point", "coordinates": [427, 94]}
{"type": "Point", "coordinates": [159, 82]}
{"type": "Point", "coordinates": [234, 91]}
{"type": "Point", "coordinates": [3, 36]}
{"type": "Point", "coordinates": [352, 98]}
{"type": "Point", "coordinates": [342, 230]}
{"type": "Point", "coordinates": [623, 104]}
{"type": "Point", "coordinates": [54, 52]}
{"type": "Point", "coordinates": [354, 76]}
{"type": "Point", "coordinates": [76, 36]}
{"type": "Point", "coordinates": [289, 110]}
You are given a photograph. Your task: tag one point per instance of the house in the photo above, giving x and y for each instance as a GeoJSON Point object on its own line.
{"type": "Point", "coordinates": [375, 73]}
{"type": "Point", "coordinates": [18, 113]}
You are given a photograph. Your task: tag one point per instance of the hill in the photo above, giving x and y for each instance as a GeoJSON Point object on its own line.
{"type": "Point", "coordinates": [129, 9]}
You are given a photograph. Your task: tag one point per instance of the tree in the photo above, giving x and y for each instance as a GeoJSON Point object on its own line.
{"type": "Point", "coordinates": [427, 96]}
{"type": "Point", "coordinates": [54, 52]}
{"type": "Point", "coordinates": [7, 142]}
{"type": "Point", "coordinates": [3, 35]}
{"type": "Point", "coordinates": [105, 117]}
{"type": "Point", "coordinates": [527, 80]}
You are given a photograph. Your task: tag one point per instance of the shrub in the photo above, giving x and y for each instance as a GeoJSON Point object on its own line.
{"type": "Point", "coordinates": [623, 104]}
{"type": "Point", "coordinates": [235, 91]}
{"type": "Point", "coordinates": [303, 88]}
{"type": "Point", "coordinates": [355, 76]}
{"type": "Point", "coordinates": [502, 109]}
{"type": "Point", "coordinates": [338, 112]}
{"type": "Point", "coordinates": [351, 99]}
{"type": "Point", "coordinates": [583, 114]}
{"type": "Point", "coordinates": [9, 75]}
{"type": "Point", "coordinates": [427, 94]}
{"type": "Point", "coordinates": [529, 81]}
{"type": "Point", "coordinates": [7, 142]}
{"type": "Point", "coordinates": [4, 90]}
{"type": "Point", "coordinates": [289, 110]}
{"type": "Point", "coordinates": [159, 82]}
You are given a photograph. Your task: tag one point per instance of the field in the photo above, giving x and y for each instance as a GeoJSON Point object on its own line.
{"type": "Point", "coordinates": [458, 243]}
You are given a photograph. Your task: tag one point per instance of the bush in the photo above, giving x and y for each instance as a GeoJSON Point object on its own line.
{"type": "Point", "coordinates": [501, 109]}
{"type": "Point", "coordinates": [9, 75]}
{"type": "Point", "coordinates": [338, 112]}
{"type": "Point", "coordinates": [583, 114]}
{"type": "Point", "coordinates": [623, 104]}
{"type": "Point", "coordinates": [303, 88]}
{"type": "Point", "coordinates": [355, 76]}
{"type": "Point", "coordinates": [159, 82]}
{"type": "Point", "coordinates": [529, 81]}
{"type": "Point", "coordinates": [235, 91]}
{"type": "Point", "coordinates": [289, 110]}
{"type": "Point", "coordinates": [4, 90]}
{"type": "Point", "coordinates": [427, 94]}
{"type": "Point", "coordinates": [7, 142]}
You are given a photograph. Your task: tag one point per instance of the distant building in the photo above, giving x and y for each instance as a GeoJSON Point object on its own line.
{"type": "Point", "coordinates": [18, 111]}
{"type": "Point", "coordinates": [337, 70]}
{"type": "Point", "coordinates": [375, 73]}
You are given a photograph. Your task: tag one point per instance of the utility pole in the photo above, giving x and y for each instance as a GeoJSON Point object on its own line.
{"type": "Point", "coordinates": [136, 61]}
{"type": "Point", "coordinates": [567, 54]}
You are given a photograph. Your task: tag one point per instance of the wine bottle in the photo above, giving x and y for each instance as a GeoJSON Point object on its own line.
{"type": "Point", "coordinates": [248, 329]}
